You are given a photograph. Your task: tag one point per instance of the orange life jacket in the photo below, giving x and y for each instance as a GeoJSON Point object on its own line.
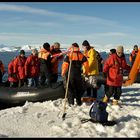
{"type": "Point", "coordinates": [77, 58]}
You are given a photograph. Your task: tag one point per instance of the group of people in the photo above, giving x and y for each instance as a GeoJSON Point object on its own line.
{"type": "Point", "coordinates": [41, 65]}
{"type": "Point", "coordinates": [89, 64]}
{"type": "Point", "coordinates": [35, 69]}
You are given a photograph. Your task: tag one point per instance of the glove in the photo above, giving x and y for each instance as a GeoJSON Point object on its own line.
{"type": "Point", "coordinates": [104, 75]}
{"type": "Point", "coordinates": [124, 80]}
{"type": "Point", "coordinates": [64, 81]}
{"type": "Point", "coordinates": [10, 75]}
{"type": "Point", "coordinates": [26, 74]}
{"type": "Point", "coordinates": [14, 75]}
{"type": "Point", "coordinates": [84, 75]}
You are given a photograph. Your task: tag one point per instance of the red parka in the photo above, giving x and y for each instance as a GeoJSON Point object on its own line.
{"type": "Point", "coordinates": [78, 60]}
{"type": "Point", "coordinates": [55, 60]}
{"type": "Point", "coordinates": [19, 67]}
{"type": "Point", "coordinates": [32, 66]}
{"type": "Point", "coordinates": [114, 67]}
{"type": "Point", "coordinates": [11, 77]}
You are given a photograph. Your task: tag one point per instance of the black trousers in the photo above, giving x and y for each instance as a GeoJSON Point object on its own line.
{"type": "Point", "coordinates": [75, 90]}
{"type": "Point", "coordinates": [92, 94]}
{"type": "Point", "coordinates": [114, 91]}
{"type": "Point", "coordinates": [54, 78]}
{"type": "Point", "coordinates": [45, 73]}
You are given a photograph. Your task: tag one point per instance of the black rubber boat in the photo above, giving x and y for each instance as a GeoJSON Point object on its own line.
{"type": "Point", "coordinates": [18, 96]}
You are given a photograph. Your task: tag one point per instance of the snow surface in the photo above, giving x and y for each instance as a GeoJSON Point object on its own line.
{"type": "Point", "coordinates": [45, 119]}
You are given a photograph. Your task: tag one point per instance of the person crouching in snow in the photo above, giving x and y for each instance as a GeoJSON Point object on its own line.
{"type": "Point", "coordinates": [32, 69]}
{"type": "Point", "coordinates": [113, 70]}
{"type": "Point", "coordinates": [77, 60]}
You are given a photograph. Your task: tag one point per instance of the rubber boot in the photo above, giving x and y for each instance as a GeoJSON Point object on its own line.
{"type": "Point", "coordinates": [93, 99]}
{"type": "Point", "coordinates": [19, 83]}
{"type": "Point", "coordinates": [105, 99]}
{"type": "Point", "coordinates": [115, 102]}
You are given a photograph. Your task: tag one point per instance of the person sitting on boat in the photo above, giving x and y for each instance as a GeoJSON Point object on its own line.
{"type": "Point", "coordinates": [45, 64]}
{"type": "Point", "coordinates": [12, 77]}
{"type": "Point", "coordinates": [55, 49]}
{"type": "Point", "coordinates": [19, 70]}
{"type": "Point", "coordinates": [32, 68]}
{"type": "Point", "coordinates": [1, 71]}
{"type": "Point", "coordinates": [75, 60]}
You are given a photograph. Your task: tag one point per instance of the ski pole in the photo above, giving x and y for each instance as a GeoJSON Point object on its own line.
{"type": "Point", "coordinates": [66, 93]}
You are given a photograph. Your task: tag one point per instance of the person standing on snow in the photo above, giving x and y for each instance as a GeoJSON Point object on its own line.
{"type": "Point", "coordinates": [113, 70]}
{"type": "Point", "coordinates": [133, 55]}
{"type": "Point", "coordinates": [77, 60]}
{"type": "Point", "coordinates": [91, 56]}
{"type": "Point", "coordinates": [112, 51]}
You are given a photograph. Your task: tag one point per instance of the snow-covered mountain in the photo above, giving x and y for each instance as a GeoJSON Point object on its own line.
{"type": "Point", "coordinates": [106, 48]}
{"type": "Point", "coordinates": [4, 48]}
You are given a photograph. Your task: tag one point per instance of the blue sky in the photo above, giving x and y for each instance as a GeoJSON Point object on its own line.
{"type": "Point", "coordinates": [67, 22]}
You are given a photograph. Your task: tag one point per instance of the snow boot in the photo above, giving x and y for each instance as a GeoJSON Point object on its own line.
{"type": "Point", "coordinates": [105, 99]}
{"type": "Point", "coordinates": [115, 102]}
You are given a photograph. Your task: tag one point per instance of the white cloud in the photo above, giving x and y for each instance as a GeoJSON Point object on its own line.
{"type": "Point", "coordinates": [29, 23]}
{"type": "Point", "coordinates": [31, 36]}
{"type": "Point", "coordinates": [25, 9]}
{"type": "Point", "coordinates": [66, 40]}
{"type": "Point", "coordinates": [119, 34]}
{"type": "Point", "coordinates": [67, 17]}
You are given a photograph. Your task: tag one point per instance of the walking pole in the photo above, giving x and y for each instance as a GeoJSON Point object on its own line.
{"type": "Point", "coordinates": [66, 93]}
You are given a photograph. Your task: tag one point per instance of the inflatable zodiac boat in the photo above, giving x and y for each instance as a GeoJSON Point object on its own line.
{"type": "Point", "coordinates": [14, 96]}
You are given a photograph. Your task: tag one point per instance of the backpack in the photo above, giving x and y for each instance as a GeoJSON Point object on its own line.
{"type": "Point", "coordinates": [98, 112]}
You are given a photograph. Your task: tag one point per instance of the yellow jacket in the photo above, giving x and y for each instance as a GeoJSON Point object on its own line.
{"type": "Point", "coordinates": [93, 62]}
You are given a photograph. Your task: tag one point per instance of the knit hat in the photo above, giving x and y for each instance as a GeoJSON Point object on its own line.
{"type": "Point", "coordinates": [112, 51]}
{"type": "Point", "coordinates": [22, 52]}
{"type": "Point", "coordinates": [136, 46]}
{"type": "Point", "coordinates": [75, 45]}
{"type": "Point", "coordinates": [46, 46]}
{"type": "Point", "coordinates": [57, 43]}
{"type": "Point", "coordinates": [85, 43]}
{"type": "Point", "coordinates": [120, 49]}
